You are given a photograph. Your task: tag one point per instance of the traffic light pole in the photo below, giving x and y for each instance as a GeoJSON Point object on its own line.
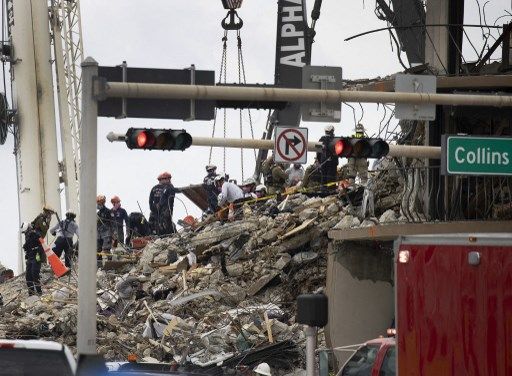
{"type": "Point", "coordinates": [202, 92]}
{"type": "Point", "coordinates": [408, 151]}
{"type": "Point", "coordinates": [86, 331]}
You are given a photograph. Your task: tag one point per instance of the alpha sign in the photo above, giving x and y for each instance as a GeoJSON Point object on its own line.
{"type": "Point", "coordinates": [467, 155]}
{"type": "Point", "coordinates": [292, 53]}
{"type": "Point", "coordinates": [293, 47]}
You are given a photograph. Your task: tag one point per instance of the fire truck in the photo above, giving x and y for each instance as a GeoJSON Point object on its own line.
{"type": "Point", "coordinates": [453, 308]}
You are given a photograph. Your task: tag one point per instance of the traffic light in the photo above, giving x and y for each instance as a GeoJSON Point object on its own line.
{"type": "Point", "coordinates": [352, 147]}
{"type": "Point", "coordinates": [158, 139]}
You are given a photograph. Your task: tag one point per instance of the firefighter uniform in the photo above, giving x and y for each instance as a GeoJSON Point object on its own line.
{"type": "Point", "coordinates": [120, 217]}
{"type": "Point", "coordinates": [104, 226]}
{"type": "Point", "coordinates": [34, 255]}
{"type": "Point", "coordinates": [165, 210]}
{"type": "Point", "coordinates": [155, 197]}
{"type": "Point", "coordinates": [209, 186]}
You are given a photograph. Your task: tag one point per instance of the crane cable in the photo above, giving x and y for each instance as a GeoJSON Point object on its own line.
{"type": "Point", "coordinates": [222, 71]}
{"type": "Point", "coordinates": [241, 80]}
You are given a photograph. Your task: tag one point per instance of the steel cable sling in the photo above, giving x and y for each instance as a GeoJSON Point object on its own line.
{"type": "Point", "coordinates": [232, 22]}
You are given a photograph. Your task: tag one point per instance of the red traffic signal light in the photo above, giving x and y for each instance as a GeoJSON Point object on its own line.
{"type": "Point", "coordinates": [340, 147]}
{"type": "Point", "coordinates": [157, 139]}
{"type": "Point", "coordinates": [352, 147]}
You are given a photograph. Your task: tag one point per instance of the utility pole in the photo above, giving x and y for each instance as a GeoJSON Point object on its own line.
{"type": "Point", "coordinates": [86, 332]}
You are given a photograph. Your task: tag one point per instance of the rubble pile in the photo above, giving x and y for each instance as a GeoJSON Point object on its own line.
{"type": "Point", "coordinates": [206, 295]}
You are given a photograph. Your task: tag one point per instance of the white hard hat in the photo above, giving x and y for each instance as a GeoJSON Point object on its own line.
{"type": "Point", "coordinates": [260, 188]}
{"type": "Point", "coordinates": [263, 369]}
{"type": "Point", "coordinates": [329, 128]}
{"type": "Point", "coordinates": [210, 167]}
{"type": "Point", "coordinates": [218, 178]}
{"type": "Point", "coordinates": [359, 127]}
{"type": "Point", "coordinates": [249, 181]}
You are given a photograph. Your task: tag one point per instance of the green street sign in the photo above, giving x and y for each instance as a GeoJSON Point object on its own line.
{"type": "Point", "coordinates": [468, 155]}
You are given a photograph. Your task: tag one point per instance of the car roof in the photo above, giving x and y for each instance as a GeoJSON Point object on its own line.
{"type": "Point", "coordinates": [382, 341]}
{"type": "Point", "coordinates": [143, 368]}
{"type": "Point", "coordinates": [33, 344]}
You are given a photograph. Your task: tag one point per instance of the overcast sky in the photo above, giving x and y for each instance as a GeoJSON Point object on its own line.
{"type": "Point", "coordinates": [175, 34]}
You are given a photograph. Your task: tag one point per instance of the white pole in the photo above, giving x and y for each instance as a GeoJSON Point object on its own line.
{"type": "Point", "coordinates": [311, 337]}
{"type": "Point", "coordinates": [170, 91]}
{"type": "Point", "coordinates": [46, 104]}
{"type": "Point", "coordinates": [27, 143]}
{"type": "Point", "coordinates": [409, 151]}
{"type": "Point", "coordinates": [86, 333]}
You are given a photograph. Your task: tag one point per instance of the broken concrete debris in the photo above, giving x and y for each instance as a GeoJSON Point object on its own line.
{"type": "Point", "coordinates": [216, 294]}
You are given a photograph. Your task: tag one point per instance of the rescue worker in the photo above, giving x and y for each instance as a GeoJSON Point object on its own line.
{"type": "Point", "coordinates": [155, 195]}
{"type": "Point", "coordinates": [42, 221]}
{"type": "Point", "coordinates": [312, 175]}
{"type": "Point", "coordinates": [230, 192]}
{"type": "Point", "coordinates": [260, 191]}
{"type": "Point", "coordinates": [65, 230]}
{"type": "Point", "coordinates": [104, 226]}
{"type": "Point", "coordinates": [209, 186]}
{"type": "Point", "coordinates": [248, 187]}
{"type": "Point", "coordinates": [34, 256]}
{"type": "Point", "coordinates": [295, 174]}
{"type": "Point", "coordinates": [273, 175]}
{"type": "Point", "coordinates": [166, 209]}
{"type": "Point", "coordinates": [137, 226]}
{"type": "Point", "coordinates": [328, 162]}
{"type": "Point", "coordinates": [119, 215]}
{"type": "Point", "coordinates": [357, 166]}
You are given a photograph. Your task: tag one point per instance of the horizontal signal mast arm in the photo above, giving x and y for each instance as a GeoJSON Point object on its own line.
{"type": "Point", "coordinates": [171, 91]}
{"type": "Point", "coordinates": [408, 151]}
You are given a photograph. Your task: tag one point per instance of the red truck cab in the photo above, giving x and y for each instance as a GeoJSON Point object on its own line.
{"type": "Point", "coordinates": [454, 304]}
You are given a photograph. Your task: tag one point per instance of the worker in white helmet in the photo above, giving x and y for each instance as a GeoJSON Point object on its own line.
{"type": "Point", "coordinates": [260, 191]}
{"type": "Point", "coordinates": [357, 166]}
{"type": "Point", "coordinates": [230, 192]}
{"type": "Point", "coordinates": [262, 369]}
{"type": "Point", "coordinates": [249, 187]}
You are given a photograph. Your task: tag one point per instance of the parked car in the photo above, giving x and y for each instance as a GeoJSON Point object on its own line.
{"type": "Point", "coordinates": [375, 358]}
{"type": "Point", "coordinates": [149, 369]}
{"type": "Point", "coordinates": [34, 358]}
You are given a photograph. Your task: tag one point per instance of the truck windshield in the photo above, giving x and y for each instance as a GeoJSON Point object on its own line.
{"type": "Point", "coordinates": [33, 362]}
{"type": "Point", "coordinates": [361, 363]}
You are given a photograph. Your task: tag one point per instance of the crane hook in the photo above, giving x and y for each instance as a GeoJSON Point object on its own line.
{"type": "Point", "coordinates": [232, 23]}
